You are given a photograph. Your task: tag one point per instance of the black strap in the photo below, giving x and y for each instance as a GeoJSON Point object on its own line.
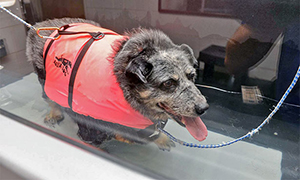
{"type": "Point", "coordinates": [63, 28]}
{"type": "Point", "coordinates": [46, 52]}
{"type": "Point", "coordinates": [94, 36]}
{"type": "Point", "coordinates": [45, 57]}
{"type": "Point", "coordinates": [77, 64]}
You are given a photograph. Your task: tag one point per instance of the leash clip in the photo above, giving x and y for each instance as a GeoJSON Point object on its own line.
{"type": "Point", "coordinates": [47, 28]}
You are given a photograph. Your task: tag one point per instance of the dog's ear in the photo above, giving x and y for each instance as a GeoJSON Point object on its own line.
{"type": "Point", "coordinates": [138, 70]}
{"type": "Point", "coordinates": [190, 53]}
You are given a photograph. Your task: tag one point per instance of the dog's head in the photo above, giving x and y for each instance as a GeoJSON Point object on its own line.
{"type": "Point", "coordinates": [157, 78]}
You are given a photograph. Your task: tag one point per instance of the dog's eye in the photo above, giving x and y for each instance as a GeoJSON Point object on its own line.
{"type": "Point", "coordinates": [169, 84]}
{"type": "Point", "coordinates": [191, 76]}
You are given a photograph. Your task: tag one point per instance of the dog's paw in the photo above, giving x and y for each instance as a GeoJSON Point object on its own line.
{"type": "Point", "coordinates": [53, 118]}
{"type": "Point", "coordinates": [164, 142]}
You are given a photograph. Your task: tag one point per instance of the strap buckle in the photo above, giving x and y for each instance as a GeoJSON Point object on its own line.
{"type": "Point", "coordinates": [97, 35]}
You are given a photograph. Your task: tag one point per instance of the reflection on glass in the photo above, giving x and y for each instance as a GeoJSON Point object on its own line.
{"type": "Point", "coordinates": [245, 67]}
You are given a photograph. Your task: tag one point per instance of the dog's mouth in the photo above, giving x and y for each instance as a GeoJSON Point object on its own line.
{"type": "Point", "coordinates": [194, 125]}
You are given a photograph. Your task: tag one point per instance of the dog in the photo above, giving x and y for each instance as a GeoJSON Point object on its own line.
{"type": "Point", "coordinates": [155, 75]}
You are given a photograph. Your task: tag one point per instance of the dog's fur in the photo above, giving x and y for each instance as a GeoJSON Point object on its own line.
{"type": "Point", "coordinates": [153, 73]}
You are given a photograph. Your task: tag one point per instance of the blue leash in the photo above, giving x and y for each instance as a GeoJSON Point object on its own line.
{"type": "Point", "coordinates": [249, 134]}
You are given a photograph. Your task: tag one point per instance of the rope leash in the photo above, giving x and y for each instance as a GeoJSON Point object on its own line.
{"type": "Point", "coordinates": [32, 27]}
{"type": "Point", "coordinates": [15, 16]}
{"type": "Point", "coordinates": [18, 18]}
{"type": "Point", "coordinates": [249, 134]}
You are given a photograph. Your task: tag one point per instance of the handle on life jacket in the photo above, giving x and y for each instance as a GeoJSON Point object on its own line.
{"type": "Point", "coordinates": [61, 31]}
{"type": "Point", "coordinates": [95, 35]}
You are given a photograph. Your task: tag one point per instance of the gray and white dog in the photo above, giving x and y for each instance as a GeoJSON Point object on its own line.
{"type": "Point", "coordinates": [156, 77]}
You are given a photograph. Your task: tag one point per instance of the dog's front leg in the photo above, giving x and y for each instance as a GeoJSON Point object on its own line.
{"type": "Point", "coordinates": [164, 142]}
{"type": "Point", "coordinates": [55, 115]}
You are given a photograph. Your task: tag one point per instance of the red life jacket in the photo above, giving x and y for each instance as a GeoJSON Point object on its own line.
{"type": "Point", "coordinates": [79, 75]}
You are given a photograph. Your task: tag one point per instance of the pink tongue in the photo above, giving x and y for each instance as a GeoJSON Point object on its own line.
{"type": "Point", "coordinates": [196, 127]}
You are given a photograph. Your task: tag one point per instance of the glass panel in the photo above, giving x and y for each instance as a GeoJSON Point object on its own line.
{"type": "Point", "coordinates": [244, 65]}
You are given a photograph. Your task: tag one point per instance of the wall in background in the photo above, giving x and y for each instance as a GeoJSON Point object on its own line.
{"type": "Point", "coordinates": [12, 31]}
{"type": "Point", "coordinates": [197, 31]}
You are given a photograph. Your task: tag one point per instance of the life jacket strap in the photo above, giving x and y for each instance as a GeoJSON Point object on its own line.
{"type": "Point", "coordinates": [94, 36]}
{"type": "Point", "coordinates": [76, 67]}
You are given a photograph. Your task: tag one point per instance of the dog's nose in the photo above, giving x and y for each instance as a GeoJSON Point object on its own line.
{"type": "Point", "coordinates": [201, 108]}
